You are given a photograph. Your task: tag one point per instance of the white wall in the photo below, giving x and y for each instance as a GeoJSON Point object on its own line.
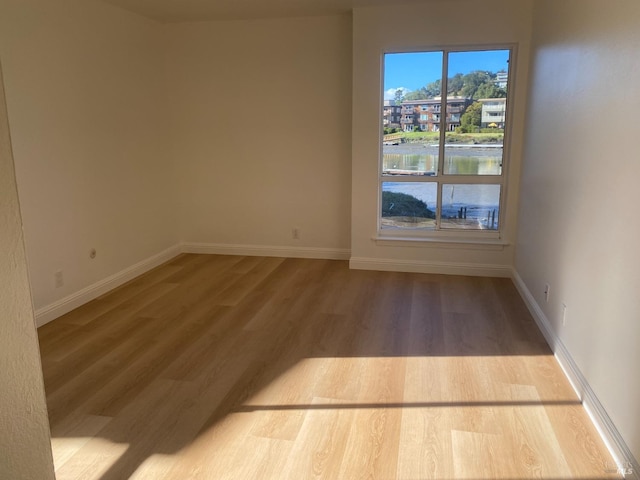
{"type": "Point", "coordinates": [578, 225]}
{"type": "Point", "coordinates": [380, 29]}
{"type": "Point", "coordinates": [86, 101]}
{"type": "Point", "coordinates": [24, 427]}
{"type": "Point", "coordinates": [109, 156]}
{"type": "Point", "coordinates": [261, 129]}
{"type": "Point", "coordinates": [130, 136]}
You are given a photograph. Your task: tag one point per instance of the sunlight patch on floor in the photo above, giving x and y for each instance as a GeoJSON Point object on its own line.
{"type": "Point", "coordinates": [154, 467]}
{"type": "Point", "coordinates": [94, 457]}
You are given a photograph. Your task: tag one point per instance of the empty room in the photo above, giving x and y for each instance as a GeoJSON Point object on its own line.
{"type": "Point", "coordinates": [338, 239]}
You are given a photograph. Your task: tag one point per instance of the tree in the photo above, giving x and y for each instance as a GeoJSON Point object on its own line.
{"type": "Point", "coordinates": [399, 96]}
{"type": "Point", "coordinates": [433, 89]}
{"type": "Point", "coordinates": [473, 80]}
{"type": "Point", "coordinates": [471, 118]}
{"type": "Point", "coordinates": [419, 94]}
{"type": "Point", "coordinates": [455, 84]}
{"type": "Point", "coordinates": [489, 90]}
{"type": "Point", "coordinates": [477, 84]}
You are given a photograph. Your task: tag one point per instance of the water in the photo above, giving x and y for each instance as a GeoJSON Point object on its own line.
{"type": "Point", "coordinates": [480, 201]}
{"type": "Point", "coordinates": [423, 160]}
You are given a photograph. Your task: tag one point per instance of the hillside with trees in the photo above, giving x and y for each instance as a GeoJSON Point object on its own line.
{"type": "Point", "coordinates": [477, 84]}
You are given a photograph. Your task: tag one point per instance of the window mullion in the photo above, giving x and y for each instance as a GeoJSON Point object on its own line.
{"type": "Point", "coordinates": [443, 111]}
{"type": "Point", "coordinates": [443, 133]}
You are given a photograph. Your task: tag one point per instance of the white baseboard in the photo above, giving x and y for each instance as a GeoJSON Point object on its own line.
{"type": "Point", "coordinates": [64, 305]}
{"type": "Point", "coordinates": [447, 268]}
{"type": "Point", "coordinates": [267, 251]}
{"type": "Point", "coordinates": [601, 420]}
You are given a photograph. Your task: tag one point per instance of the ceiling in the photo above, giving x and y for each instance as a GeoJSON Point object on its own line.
{"type": "Point", "coordinates": [170, 11]}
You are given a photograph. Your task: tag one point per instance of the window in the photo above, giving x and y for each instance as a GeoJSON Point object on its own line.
{"type": "Point", "coordinates": [449, 179]}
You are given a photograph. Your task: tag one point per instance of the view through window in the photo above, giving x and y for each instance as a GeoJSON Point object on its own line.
{"type": "Point", "coordinates": [442, 162]}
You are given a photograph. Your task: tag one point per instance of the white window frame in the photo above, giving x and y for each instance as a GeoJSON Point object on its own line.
{"type": "Point", "coordinates": [452, 235]}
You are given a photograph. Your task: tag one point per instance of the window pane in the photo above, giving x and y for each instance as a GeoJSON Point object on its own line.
{"type": "Point", "coordinates": [411, 113]}
{"type": "Point", "coordinates": [408, 205]}
{"type": "Point", "coordinates": [472, 161]}
{"type": "Point", "coordinates": [409, 159]}
{"type": "Point", "coordinates": [470, 207]}
{"type": "Point", "coordinates": [477, 104]}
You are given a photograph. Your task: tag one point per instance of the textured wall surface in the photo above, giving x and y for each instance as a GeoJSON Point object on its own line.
{"type": "Point", "coordinates": [578, 229]}
{"type": "Point", "coordinates": [25, 450]}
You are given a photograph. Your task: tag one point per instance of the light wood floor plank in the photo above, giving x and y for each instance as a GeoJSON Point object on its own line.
{"type": "Point", "coordinates": [227, 367]}
{"type": "Point", "coordinates": [320, 449]}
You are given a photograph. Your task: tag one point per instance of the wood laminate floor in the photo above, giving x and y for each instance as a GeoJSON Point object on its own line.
{"type": "Point", "coordinates": [229, 367]}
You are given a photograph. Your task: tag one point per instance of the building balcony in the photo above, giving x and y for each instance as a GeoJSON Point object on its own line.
{"type": "Point", "coordinates": [493, 108]}
{"type": "Point", "coordinates": [493, 118]}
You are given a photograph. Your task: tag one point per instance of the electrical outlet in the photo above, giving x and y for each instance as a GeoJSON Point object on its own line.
{"type": "Point", "coordinates": [58, 279]}
{"type": "Point", "coordinates": [295, 233]}
{"type": "Point", "coordinates": [547, 291]}
{"type": "Point", "coordinates": [564, 314]}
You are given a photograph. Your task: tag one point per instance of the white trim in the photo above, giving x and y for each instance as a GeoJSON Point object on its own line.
{"type": "Point", "coordinates": [267, 251]}
{"type": "Point", "coordinates": [601, 420]}
{"type": "Point", "coordinates": [64, 305]}
{"type": "Point", "coordinates": [441, 242]}
{"type": "Point", "coordinates": [447, 268]}
{"type": "Point", "coordinates": [439, 179]}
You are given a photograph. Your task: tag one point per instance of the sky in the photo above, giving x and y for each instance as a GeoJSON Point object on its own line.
{"type": "Point", "coordinates": [411, 71]}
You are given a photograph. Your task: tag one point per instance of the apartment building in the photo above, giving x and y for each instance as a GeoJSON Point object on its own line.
{"type": "Point", "coordinates": [494, 112]}
{"type": "Point", "coordinates": [391, 114]}
{"type": "Point", "coordinates": [426, 114]}
{"type": "Point", "coordinates": [501, 79]}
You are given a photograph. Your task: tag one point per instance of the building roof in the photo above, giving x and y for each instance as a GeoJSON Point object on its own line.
{"type": "Point", "coordinates": [492, 100]}
{"type": "Point", "coordinates": [434, 100]}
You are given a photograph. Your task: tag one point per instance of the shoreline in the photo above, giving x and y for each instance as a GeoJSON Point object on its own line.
{"type": "Point", "coordinates": [463, 150]}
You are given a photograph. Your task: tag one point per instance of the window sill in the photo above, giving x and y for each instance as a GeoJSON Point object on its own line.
{"type": "Point", "coordinates": [441, 242]}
